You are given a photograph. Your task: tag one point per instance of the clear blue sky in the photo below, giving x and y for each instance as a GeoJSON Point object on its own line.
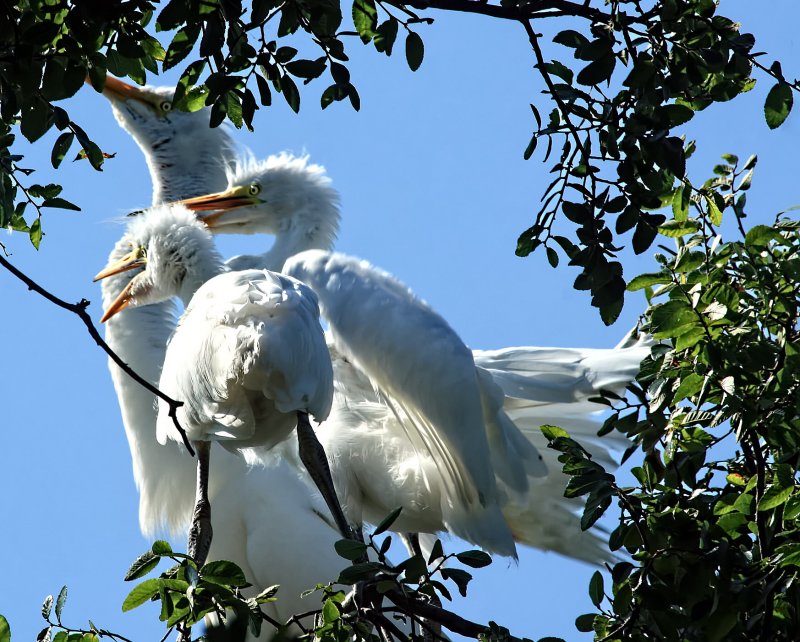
{"type": "Point", "coordinates": [434, 189]}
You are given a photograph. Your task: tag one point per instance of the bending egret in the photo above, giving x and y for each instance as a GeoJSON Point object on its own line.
{"type": "Point", "coordinates": [251, 520]}
{"type": "Point", "coordinates": [372, 459]}
{"type": "Point", "coordinates": [248, 358]}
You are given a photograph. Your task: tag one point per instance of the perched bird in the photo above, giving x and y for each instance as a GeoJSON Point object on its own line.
{"type": "Point", "coordinates": [248, 358]}
{"type": "Point", "coordinates": [370, 443]}
{"type": "Point", "coordinates": [250, 518]}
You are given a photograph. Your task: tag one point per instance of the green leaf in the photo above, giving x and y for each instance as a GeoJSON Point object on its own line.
{"type": "Point", "coordinates": [141, 566]}
{"type": "Point", "coordinates": [365, 19]}
{"type": "Point", "coordinates": [474, 559]}
{"type": "Point", "coordinates": [570, 38]}
{"type": "Point", "coordinates": [387, 521]}
{"type": "Point", "coordinates": [778, 105]}
{"type": "Point", "coordinates": [36, 120]}
{"type": "Point", "coordinates": [223, 572]}
{"type": "Point", "coordinates": [140, 594]}
{"type": "Point", "coordinates": [47, 607]}
{"type": "Point", "coordinates": [60, 148]}
{"type": "Point", "coordinates": [677, 229]}
{"type": "Point", "coordinates": [330, 611]}
{"type": "Point", "coordinates": [415, 50]}
{"type": "Point", "coordinates": [553, 432]}
{"type": "Point", "coordinates": [598, 70]}
{"type": "Point", "coordinates": [596, 591]}
{"type": "Point", "coordinates": [35, 233]}
{"type": "Point", "coordinates": [714, 212]}
{"type": "Point", "coordinates": [648, 280]}
{"type": "Point", "coordinates": [160, 547]}
{"type": "Point", "coordinates": [585, 623]}
{"type": "Point", "coordinates": [5, 630]}
{"type": "Point", "coordinates": [290, 93]}
{"type": "Point", "coordinates": [775, 496]}
{"type": "Point", "coordinates": [60, 203]}
{"type": "Point", "coordinates": [350, 549]}
{"type": "Point", "coordinates": [181, 45]}
{"type": "Point", "coordinates": [61, 600]}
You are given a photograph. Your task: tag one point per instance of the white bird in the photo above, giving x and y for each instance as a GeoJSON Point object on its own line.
{"type": "Point", "coordinates": [250, 518]}
{"type": "Point", "coordinates": [373, 461]}
{"type": "Point", "coordinates": [248, 358]}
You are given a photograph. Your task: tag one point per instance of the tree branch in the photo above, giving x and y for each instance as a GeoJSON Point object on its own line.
{"type": "Point", "coordinates": [80, 310]}
{"type": "Point", "coordinates": [526, 10]}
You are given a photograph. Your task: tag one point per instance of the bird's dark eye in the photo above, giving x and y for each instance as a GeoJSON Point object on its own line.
{"type": "Point", "coordinates": [255, 188]}
{"type": "Point", "coordinates": [165, 105]}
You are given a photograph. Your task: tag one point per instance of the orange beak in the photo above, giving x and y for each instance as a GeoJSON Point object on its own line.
{"type": "Point", "coordinates": [120, 303]}
{"type": "Point", "coordinates": [130, 261]}
{"type": "Point", "coordinates": [115, 88]}
{"type": "Point", "coordinates": [219, 204]}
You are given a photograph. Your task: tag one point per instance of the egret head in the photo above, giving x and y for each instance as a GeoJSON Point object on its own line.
{"type": "Point", "coordinates": [186, 157]}
{"type": "Point", "coordinates": [170, 252]}
{"type": "Point", "coordinates": [280, 195]}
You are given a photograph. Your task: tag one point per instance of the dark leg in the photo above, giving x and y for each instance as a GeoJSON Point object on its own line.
{"type": "Point", "coordinates": [313, 457]}
{"type": "Point", "coordinates": [200, 532]}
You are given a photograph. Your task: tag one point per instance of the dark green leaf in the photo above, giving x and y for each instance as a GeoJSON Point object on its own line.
{"type": "Point", "coordinates": [596, 588]}
{"type": "Point", "coordinates": [223, 572]}
{"type": "Point", "coordinates": [141, 566]}
{"type": "Point", "coordinates": [160, 547]}
{"type": "Point", "coordinates": [415, 50]}
{"type": "Point", "coordinates": [60, 148]}
{"type": "Point", "coordinates": [778, 105]}
{"type": "Point", "coordinates": [350, 549]}
{"type": "Point", "coordinates": [5, 630]}
{"type": "Point", "coordinates": [597, 71]}
{"type": "Point", "coordinates": [475, 559]}
{"type": "Point", "coordinates": [61, 204]}
{"type": "Point", "coordinates": [290, 93]}
{"type": "Point", "coordinates": [387, 522]}
{"type": "Point", "coordinates": [570, 38]}
{"type": "Point", "coordinates": [181, 45]}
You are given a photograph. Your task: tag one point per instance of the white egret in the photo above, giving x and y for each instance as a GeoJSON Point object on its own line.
{"type": "Point", "coordinates": [248, 358]}
{"type": "Point", "coordinates": [250, 519]}
{"type": "Point", "coordinates": [369, 445]}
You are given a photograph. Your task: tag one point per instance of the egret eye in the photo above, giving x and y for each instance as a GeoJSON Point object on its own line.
{"type": "Point", "coordinates": [255, 189]}
{"type": "Point", "coordinates": [165, 105]}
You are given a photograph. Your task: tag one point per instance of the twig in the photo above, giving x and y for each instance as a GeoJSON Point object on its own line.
{"type": "Point", "coordinates": [80, 310]}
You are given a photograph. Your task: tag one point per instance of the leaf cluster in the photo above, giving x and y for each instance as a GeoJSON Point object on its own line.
{"type": "Point", "coordinates": [634, 80]}
{"type": "Point", "coordinates": [711, 525]}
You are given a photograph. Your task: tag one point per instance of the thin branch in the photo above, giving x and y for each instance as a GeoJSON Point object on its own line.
{"type": "Point", "coordinates": [532, 9]}
{"type": "Point", "coordinates": [80, 310]}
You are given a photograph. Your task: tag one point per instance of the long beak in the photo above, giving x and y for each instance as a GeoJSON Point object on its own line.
{"type": "Point", "coordinates": [115, 88]}
{"type": "Point", "coordinates": [120, 303]}
{"type": "Point", "coordinates": [130, 261]}
{"type": "Point", "coordinates": [219, 204]}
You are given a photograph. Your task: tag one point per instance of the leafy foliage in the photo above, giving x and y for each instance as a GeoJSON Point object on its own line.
{"type": "Point", "coordinates": [711, 525]}
{"type": "Point", "coordinates": [641, 72]}
{"type": "Point", "coordinates": [384, 597]}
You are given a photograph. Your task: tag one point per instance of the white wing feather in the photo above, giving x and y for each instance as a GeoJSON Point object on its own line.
{"type": "Point", "coordinates": [247, 352]}
{"type": "Point", "coordinates": [424, 373]}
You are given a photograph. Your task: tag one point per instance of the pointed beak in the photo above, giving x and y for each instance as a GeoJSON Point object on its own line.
{"type": "Point", "coordinates": [120, 303]}
{"type": "Point", "coordinates": [115, 88]}
{"type": "Point", "coordinates": [130, 261]}
{"type": "Point", "coordinates": [220, 204]}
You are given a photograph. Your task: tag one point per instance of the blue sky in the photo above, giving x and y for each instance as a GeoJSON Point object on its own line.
{"type": "Point", "coordinates": [434, 189]}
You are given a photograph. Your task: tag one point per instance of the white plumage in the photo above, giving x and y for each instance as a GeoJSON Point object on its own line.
{"type": "Point", "coordinates": [377, 461]}
{"type": "Point", "coordinates": [247, 352]}
{"type": "Point", "coordinates": [261, 530]}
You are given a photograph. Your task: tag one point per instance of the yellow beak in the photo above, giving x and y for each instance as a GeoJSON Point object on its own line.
{"type": "Point", "coordinates": [115, 88]}
{"type": "Point", "coordinates": [219, 203]}
{"type": "Point", "coordinates": [120, 303]}
{"type": "Point", "coordinates": [130, 261]}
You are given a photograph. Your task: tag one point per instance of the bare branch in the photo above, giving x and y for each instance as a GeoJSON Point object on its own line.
{"type": "Point", "coordinates": [80, 310]}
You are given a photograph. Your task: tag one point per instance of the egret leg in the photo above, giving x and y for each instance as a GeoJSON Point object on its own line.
{"type": "Point", "coordinates": [200, 532]}
{"type": "Point", "coordinates": [313, 457]}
